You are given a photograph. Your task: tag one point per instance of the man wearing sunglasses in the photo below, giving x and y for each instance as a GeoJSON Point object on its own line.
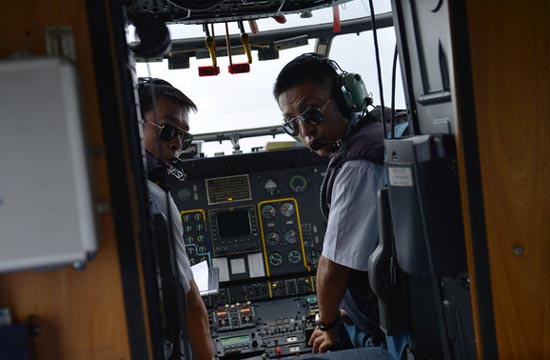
{"type": "Point", "coordinates": [314, 96]}
{"type": "Point", "coordinates": [165, 113]}
{"type": "Point", "coordinates": [166, 130]}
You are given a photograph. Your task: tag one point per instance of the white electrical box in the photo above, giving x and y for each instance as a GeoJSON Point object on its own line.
{"type": "Point", "coordinates": [46, 209]}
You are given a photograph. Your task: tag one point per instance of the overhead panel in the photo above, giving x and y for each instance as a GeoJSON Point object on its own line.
{"type": "Point", "coordinates": [200, 12]}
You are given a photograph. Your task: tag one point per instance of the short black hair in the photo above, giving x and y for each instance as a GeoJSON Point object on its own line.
{"type": "Point", "coordinates": [306, 67]}
{"type": "Point", "coordinates": [147, 87]}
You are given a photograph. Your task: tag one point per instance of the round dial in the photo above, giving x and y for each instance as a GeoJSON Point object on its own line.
{"type": "Point", "coordinates": [313, 256]}
{"type": "Point", "coordinates": [272, 238]}
{"type": "Point", "coordinates": [271, 186]}
{"type": "Point", "coordinates": [184, 193]}
{"type": "Point", "coordinates": [192, 261]}
{"type": "Point", "coordinates": [200, 238]}
{"type": "Point", "coordinates": [201, 249]}
{"type": "Point", "coordinates": [197, 217]}
{"type": "Point", "coordinates": [294, 256]}
{"type": "Point", "coordinates": [189, 239]}
{"type": "Point", "coordinates": [276, 258]}
{"type": "Point", "coordinates": [298, 183]}
{"type": "Point", "coordinates": [268, 212]}
{"type": "Point", "coordinates": [190, 250]}
{"type": "Point", "coordinates": [291, 236]}
{"type": "Point", "coordinates": [287, 209]}
{"type": "Point", "coordinates": [203, 258]}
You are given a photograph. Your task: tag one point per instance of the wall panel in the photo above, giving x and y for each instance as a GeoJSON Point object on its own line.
{"type": "Point", "coordinates": [80, 313]}
{"type": "Point", "coordinates": [510, 53]}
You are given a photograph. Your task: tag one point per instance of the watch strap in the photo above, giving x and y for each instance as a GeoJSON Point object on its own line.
{"type": "Point", "coordinates": [325, 327]}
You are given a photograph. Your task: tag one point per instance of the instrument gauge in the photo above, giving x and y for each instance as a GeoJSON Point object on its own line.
{"type": "Point", "coordinates": [276, 258]}
{"type": "Point", "coordinates": [268, 212]}
{"type": "Point", "coordinates": [287, 209]}
{"type": "Point", "coordinates": [298, 183]}
{"type": "Point", "coordinates": [313, 256]}
{"type": "Point", "coordinates": [294, 256]}
{"type": "Point", "coordinates": [291, 236]}
{"type": "Point", "coordinates": [272, 239]}
{"type": "Point", "coordinates": [183, 193]}
{"type": "Point", "coordinates": [271, 186]}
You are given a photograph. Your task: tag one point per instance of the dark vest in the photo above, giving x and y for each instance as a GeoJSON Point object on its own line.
{"type": "Point", "coordinates": [163, 174]}
{"type": "Point", "coordinates": [364, 142]}
{"type": "Point", "coordinates": [156, 172]}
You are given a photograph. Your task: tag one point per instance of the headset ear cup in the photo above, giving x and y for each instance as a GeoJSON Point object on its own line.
{"type": "Point", "coordinates": [346, 92]}
{"type": "Point", "coordinates": [350, 91]}
{"type": "Point", "coordinates": [342, 97]}
{"type": "Point", "coordinates": [355, 91]}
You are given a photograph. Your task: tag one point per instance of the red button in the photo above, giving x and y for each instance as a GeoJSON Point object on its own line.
{"type": "Point", "coordinates": [278, 350]}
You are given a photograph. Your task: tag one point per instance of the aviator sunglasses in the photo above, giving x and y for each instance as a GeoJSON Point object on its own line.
{"type": "Point", "coordinates": [168, 132]}
{"type": "Point", "coordinates": [310, 116]}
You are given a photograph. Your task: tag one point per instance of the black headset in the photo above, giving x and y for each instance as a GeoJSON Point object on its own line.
{"type": "Point", "coordinates": [145, 82]}
{"type": "Point", "coordinates": [349, 91]}
{"type": "Point", "coordinates": [153, 34]}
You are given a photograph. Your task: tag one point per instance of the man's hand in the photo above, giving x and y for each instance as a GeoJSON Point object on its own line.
{"type": "Point", "coordinates": [332, 279]}
{"type": "Point", "coordinates": [197, 325]}
{"type": "Point", "coordinates": [322, 341]}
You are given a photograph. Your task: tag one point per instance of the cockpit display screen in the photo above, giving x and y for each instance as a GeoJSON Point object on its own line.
{"type": "Point", "coordinates": [233, 223]}
{"type": "Point", "coordinates": [235, 340]}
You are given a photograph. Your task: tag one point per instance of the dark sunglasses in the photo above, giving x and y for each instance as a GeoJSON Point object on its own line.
{"type": "Point", "coordinates": [169, 132]}
{"type": "Point", "coordinates": [310, 116]}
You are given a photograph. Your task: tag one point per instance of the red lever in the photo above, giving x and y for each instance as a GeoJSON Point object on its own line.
{"type": "Point", "coordinates": [336, 26]}
{"type": "Point", "coordinates": [238, 68]}
{"type": "Point", "coordinates": [209, 70]}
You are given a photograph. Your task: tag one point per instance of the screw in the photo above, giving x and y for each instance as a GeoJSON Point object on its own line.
{"type": "Point", "coordinates": [518, 250]}
{"type": "Point", "coordinates": [103, 208]}
{"type": "Point", "coordinates": [79, 265]}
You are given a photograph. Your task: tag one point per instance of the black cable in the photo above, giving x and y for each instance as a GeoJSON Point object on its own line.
{"type": "Point", "coordinates": [159, 152]}
{"type": "Point", "coordinates": [394, 67]}
{"type": "Point", "coordinates": [378, 66]}
{"type": "Point", "coordinates": [168, 210]}
{"type": "Point", "coordinates": [323, 198]}
{"type": "Point", "coordinates": [169, 219]}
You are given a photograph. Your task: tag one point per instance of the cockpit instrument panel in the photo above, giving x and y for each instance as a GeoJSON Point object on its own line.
{"type": "Point", "coordinates": [256, 217]}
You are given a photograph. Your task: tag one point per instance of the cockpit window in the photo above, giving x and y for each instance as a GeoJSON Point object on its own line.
{"type": "Point", "coordinates": [245, 101]}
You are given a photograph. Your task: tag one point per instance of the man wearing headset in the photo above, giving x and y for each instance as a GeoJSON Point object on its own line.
{"type": "Point", "coordinates": [321, 109]}
{"type": "Point", "coordinates": [165, 113]}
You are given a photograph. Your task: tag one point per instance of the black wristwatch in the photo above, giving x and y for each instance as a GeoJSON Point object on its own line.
{"type": "Point", "coordinates": [331, 325]}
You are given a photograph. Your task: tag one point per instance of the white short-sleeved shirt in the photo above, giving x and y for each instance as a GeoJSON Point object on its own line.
{"type": "Point", "coordinates": [352, 230]}
{"type": "Point", "coordinates": [158, 205]}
